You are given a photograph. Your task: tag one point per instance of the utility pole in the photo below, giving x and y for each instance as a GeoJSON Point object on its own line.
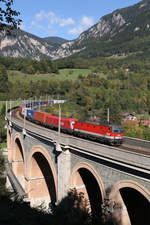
{"type": "Point", "coordinates": [59, 125]}
{"type": "Point", "coordinates": [6, 109]}
{"type": "Point", "coordinates": [58, 147]}
{"type": "Point", "coordinates": [39, 104]}
{"type": "Point", "coordinates": [108, 115]}
{"type": "Point", "coordinates": [10, 111]}
{"type": "Point", "coordinates": [10, 123]}
{"type": "Point", "coordinates": [24, 120]}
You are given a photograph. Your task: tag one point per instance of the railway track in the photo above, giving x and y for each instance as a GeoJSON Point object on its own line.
{"type": "Point", "coordinates": [125, 146]}
{"type": "Point", "coordinates": [136, 150]}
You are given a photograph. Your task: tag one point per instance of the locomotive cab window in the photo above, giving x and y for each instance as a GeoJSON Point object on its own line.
{"type": "Point", "coordinates": [109, 129]}
{"type": "Point", "coordinates": [117, 130]}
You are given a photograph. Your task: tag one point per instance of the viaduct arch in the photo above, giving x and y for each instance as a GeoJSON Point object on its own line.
{"type": "Point", "coordinates": [85, 179]}
{"type": "Point", "coordinates": [134, 199]}
{"type": "Point", "coordinates": [41, 176]}
{"type": "Point", "coordinates": [9, 144]}
{"type": "Point", "coordinates": [18, 158]}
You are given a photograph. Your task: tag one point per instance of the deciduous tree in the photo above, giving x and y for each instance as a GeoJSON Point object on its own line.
{"type": "Point", "coordinates": [3, 79]}
{"type": "Point", "coordinates": [8, 16]}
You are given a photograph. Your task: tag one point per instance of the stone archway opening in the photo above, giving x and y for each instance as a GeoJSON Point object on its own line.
{"type": "Point", "coordinates": [85, 182]}
{"type": "Point", "coordinates": [18, 162]}
{"type": "Point", "coordinates": [137, 205]}
{"type": "Point", "coordinates": [9, 147]}
{"type": "Point", "coordinates": [42, 188]}
{"type": "Point", "coordinates": [131, 203]}
{"type": "Point", "coordinates": [18, 159]}
{"type": "Point", "coordinates": [8, 138]}
{"type": "Point", "coordinates": [19, 150]}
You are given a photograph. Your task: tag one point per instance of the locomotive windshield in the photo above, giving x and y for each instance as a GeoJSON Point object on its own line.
{"type": "Point", "coordinates": [117, 129]}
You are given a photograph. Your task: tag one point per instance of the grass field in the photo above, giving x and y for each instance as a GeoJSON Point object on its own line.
{"type": "Point", "coordinates": [71, 74]}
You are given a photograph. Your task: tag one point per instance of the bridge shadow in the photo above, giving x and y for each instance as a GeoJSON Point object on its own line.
{"type": "Point", "coordinates": [137, 205]}
{"type": "Point", "coordinates": [94, 194]}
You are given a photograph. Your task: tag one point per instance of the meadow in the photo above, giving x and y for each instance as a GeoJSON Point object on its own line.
{"type": "Point", "coordinates": [70, 74]}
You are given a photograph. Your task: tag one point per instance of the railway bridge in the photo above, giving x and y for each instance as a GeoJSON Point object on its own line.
{"type": "Point", "coordinates": [47, 164]}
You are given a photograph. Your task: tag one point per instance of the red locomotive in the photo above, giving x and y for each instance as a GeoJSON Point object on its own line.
{"type": "Point", "coordinates": [102, 132]}
{"type": "Point", "coordinates": [66, 124]}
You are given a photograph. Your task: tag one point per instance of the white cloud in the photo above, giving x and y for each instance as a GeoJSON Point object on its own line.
{"type": "Point", "coordinates": [47, 30]}
{"type": "Point", "coordinates": [50, 23]}
{"type": "Point", "coordinates": [87, 21]}
{"type": "Point", "coordinates": [40, 16]}
{"type": "Point", "coordinates": [52, 18]}
{"type": "Point", "coordinates": [66, 22]}
{"type": "Point", "coordinates": [76, 30]}
{"type": "Point", "coordinates": [84, 24]}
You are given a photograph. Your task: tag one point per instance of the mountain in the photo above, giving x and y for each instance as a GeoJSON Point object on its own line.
{"type": "Point", "coordinates": [55, 40]}
{"type": "Point", "coordinates": [121, 32]}
{"type": "Point", "coordinates": [23, 44]}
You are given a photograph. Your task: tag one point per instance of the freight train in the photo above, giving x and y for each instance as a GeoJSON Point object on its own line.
{"type": "Point", "coordinates": [102, 132]}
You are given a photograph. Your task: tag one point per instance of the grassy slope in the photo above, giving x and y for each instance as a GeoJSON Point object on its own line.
{"type": "Point", "coordinates": [71, 74]}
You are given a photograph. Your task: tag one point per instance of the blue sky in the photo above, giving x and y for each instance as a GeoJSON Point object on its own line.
{"type": "Point", "coordinates": [64, 18]}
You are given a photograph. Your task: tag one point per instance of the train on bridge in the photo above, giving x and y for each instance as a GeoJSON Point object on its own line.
{"type": "Point", "coordinates": [103, 132]}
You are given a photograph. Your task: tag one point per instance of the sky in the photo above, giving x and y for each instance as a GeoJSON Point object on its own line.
{"type": "Point", "coordinates": [64, 18]}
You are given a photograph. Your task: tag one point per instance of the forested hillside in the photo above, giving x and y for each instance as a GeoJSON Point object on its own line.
{"type": "Point", "coordinates": [122, 84]}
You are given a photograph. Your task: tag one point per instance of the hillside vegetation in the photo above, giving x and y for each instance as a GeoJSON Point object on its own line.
{"type": "Point", "coordinates": [121, 84]}
{"type": "Point", "coordinates": [123, 81]}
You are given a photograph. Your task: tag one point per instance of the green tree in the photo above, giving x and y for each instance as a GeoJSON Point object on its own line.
{"type": "Point", "coordinates": [30, 69]}
{"type": "Point", "coordinates": [8, 16]}
{"type": "Point", "coordinates": [2, 176]}
{"type": "Point", "coordinates": [72, 210]}
{"type": "Point", "coordinates": [114, 111]}
{"type": "Point", "coordinates": [2, 125]}
{"type": "Point", "coordinates": [3, 79]}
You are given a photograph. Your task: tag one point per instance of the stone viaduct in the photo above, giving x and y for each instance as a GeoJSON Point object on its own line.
{"type": "Point", "coordinates": [47, 165]}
